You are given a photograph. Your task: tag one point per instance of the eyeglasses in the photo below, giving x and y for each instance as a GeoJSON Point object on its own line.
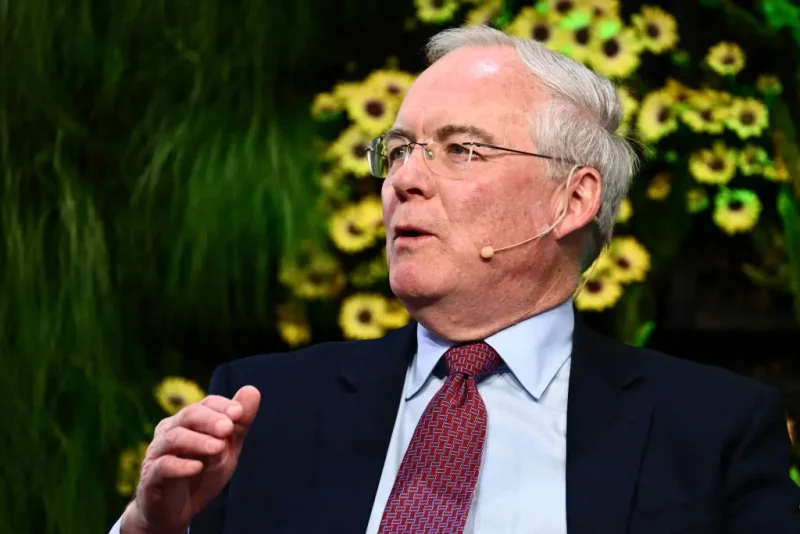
{"type": "Point", "coordinates": [387, 154]}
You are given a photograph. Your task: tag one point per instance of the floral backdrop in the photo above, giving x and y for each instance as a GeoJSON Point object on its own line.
{"type": "Point", "coordinates": [718, 146]}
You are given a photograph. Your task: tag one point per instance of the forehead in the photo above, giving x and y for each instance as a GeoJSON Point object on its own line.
{"type": "Point", "coordinates": [485, 86]}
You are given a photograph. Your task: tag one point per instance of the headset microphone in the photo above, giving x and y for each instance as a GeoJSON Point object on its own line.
{"type": "Point", "coordinates": [488, 252]}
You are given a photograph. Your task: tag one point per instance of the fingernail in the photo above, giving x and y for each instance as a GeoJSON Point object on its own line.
{"type": "Point", "coordinates": [235, 410]}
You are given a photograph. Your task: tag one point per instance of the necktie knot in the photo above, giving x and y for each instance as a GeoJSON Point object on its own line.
{"type": "Point", "coordinates": [473, 359]}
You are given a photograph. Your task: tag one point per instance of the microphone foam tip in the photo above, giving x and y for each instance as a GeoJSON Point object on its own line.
{"type": "Point", "coordinates": [487, 253]}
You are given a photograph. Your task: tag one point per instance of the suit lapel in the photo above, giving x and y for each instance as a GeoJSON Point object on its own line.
{"type": "Point", "coordinates": [357, 412]}
{"type": "Point", "coordinates": [608, 418]}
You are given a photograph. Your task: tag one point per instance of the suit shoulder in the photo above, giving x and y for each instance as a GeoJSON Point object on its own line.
{"type": "Point", "coordinates": [688, 378]}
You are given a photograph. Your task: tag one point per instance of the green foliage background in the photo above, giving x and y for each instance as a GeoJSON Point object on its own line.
{"type": "Point", "coordinates": [157, 162]}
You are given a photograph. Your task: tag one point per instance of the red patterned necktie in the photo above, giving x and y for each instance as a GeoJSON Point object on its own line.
{"type": "Point", "coordinates": [433, 489]}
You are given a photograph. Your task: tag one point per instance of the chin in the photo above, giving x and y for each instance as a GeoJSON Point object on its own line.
{"type": "Point", "coordinates": [414, 280]}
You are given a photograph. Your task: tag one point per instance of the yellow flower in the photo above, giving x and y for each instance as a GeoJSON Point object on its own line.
{"type": "Point", "coordinates": [344, 91]}
{"type": "Point", "coordinates": [174, 393]}
{"type": "Point", "coordinates": [630, 261]}
{"type": "Point", "coordinates": [680, 93]}
{"type": "Point", "coordinates": [713, 166]}
{"type": "Point", "coordinates": [330, 182]}
{"type": "Point", "coordinates": [325, 104]}
{"type": "Point", "coordinates": [769, 84]}
{"type": "Point", "coordinates": [603, 8]}
{"type": "Point", "coordinates": [484, 13]}
{"type": "Point", "coordinates": [656, 117]}
{"type": "Point", "coordinates": [372, 110]}
{"type": "Point", "coordinates": [704, 113]}
{"type": "Point", "coordinates": [350, 150]}
{"type": "Point", "coordinates": [752, 160]}
{"type": "Point", "coordinates": [599, 292]}
{"type": "Point", "coordinates": [541, 27]}
{"type": "Point", "coordinates": [657, 28]}
{"type": "Point", "coordinates": [747, 117]}
{"type": "Point", "coordinates": [348, 232]}
{"type": "Point", "coordinates": [726, 58]}
{"type": "Point", "coordinates": [436, 11]}
{"type": "Point", "coordinates": [318, 275]}
{"type": "Point", "coordinates": [736, 210]}
{"type": "Point", "coordinates": [696, 200]}
{"type": "Point", "coordinates": [368, 273]}
{"type": "Point", "coordinates": [625, 211]}
{"type": "Point", "coordinates": [130, 463]}
{"type": "Point", "coordinates": [562, 8]}
{"type": "Point", "coordinates": [576, 43]}
{"type": "Point", "coordinates": [617, 56]}
{"type": "Point", "coordinates": [777, 171]}
{"type": "Point", "coordinates": [395, 315]}
{"type": "Point", "coordinates": [359, 314]}
{"type": "Point", "coordinates": [292, 325]}
{"type": "Point", "coordinates": [393, 83]}
{"type": "Point", "coordinates": [659, 187]}
{"type": "Point", "coordinates": [371, 214]}
{"type": "Point", "coordinates": [629, 104]}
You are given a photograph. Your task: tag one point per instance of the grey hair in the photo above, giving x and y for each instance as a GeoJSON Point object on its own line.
{"type": "Point", "coordinates": [578, 125]}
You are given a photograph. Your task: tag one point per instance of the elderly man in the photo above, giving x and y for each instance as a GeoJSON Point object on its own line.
{"type": "Point", "coordinates": [496, 410]}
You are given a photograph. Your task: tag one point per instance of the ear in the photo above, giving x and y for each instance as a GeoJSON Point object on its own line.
{"type": "Point", "coordinates": [582, 192]}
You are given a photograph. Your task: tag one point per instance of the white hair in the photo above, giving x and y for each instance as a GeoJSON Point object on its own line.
{"type": "Point", "coordinates": [578, 125]}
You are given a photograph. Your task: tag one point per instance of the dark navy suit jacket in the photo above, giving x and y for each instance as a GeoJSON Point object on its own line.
{"type": "Point", "coordinates": [655, 444]}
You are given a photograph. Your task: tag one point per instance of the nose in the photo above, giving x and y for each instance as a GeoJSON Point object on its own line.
{"type": "Point", "coordinates": [413, 178]}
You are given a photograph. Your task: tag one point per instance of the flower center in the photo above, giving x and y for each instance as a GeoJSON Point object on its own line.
{"type": "Point", "coordinates": [623, 263]}
{"type": "Point", "coordinates": [716, 164]}
{"type": "Point", "coordinates": [706, 115]}
{"type": "Point", "coordinates": [374, 108]}
{"type": "Point", "coordinates": [593, 286]}
{"type": "Point", "coordinates": [728, 59]}
{"type": "Point", "coordinates": [540, 33]}
{"type": "Point", "coordinates": [315, 278]}
{"type": "Point", "coordinates": [653, 31]}
{"type": "Point", "coordinates": [394, 89]}
{"type": "Point", "coordinates": [364, 317]}
{"type": "Point", "coordinates": [663, 115]}
{"type": "Point", "coordinates": [611, 48]}
{"type": "Point", "coordinates": [735, 205]}
{"type": "Point", "coordinates": [747, 117]}
{"type": "Point", "coordinates": [582, 36]}
{"type": "Point", "coordinates": [359, 150]}
{"type": "Point", "coordinates": [563, 6]}
{"type": "Point", "coordinates": [353, 229]}
{"type": "Point", "coordinates": [176, 400]}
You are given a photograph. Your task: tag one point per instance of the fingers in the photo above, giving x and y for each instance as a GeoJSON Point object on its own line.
{"type": "Point", "coordinates": [167, 467]}
{"type": "Point", "coordinates": [201, 418]}
{"type": "Point", "coordinates": [180, 441]}
{"type": "Point", "coordinates": [249, 398]}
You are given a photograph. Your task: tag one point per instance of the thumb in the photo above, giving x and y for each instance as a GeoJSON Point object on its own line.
{"type": "Point", "coordinates": [249, 398]}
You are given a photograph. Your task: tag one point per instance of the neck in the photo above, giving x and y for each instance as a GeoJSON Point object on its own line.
{"type": "Point", "coordinates": [477, 315]}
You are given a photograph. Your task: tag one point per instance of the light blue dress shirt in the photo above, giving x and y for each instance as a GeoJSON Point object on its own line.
{"type": "Point", "coordinates": [522, 482]}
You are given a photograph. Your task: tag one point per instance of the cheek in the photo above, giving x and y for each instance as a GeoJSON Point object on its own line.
{"type": "Point", "coordinates": [476, 212]}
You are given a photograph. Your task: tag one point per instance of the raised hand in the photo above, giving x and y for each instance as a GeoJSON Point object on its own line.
{"type": "Point", "coordinates": [190, 460]}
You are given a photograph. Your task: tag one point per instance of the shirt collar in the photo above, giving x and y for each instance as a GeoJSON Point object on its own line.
{"type": "Point", "coordinates": [534, 350]}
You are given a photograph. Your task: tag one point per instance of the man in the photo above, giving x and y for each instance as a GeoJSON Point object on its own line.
{"type": "Point", "coordinates": [496, 411]}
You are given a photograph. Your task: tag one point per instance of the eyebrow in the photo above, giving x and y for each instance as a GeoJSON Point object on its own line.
{"type": "Point", "coordinates": [448, 130]}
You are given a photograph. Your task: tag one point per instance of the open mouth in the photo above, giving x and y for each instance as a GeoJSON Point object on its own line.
{"type": "Point", "coordinates": [410, 232]}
